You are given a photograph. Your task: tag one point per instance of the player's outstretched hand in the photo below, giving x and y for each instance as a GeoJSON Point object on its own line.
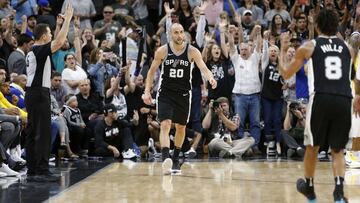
{"type": "Point", "coordinates": [357, 105]}
{"type": "Point", "coordinates": [147, 98]}
{"type": "Point", "coordinates": [213, 83]}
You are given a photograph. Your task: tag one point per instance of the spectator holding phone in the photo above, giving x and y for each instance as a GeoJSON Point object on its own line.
{"type": "Point", "coordinates": [100, 68]}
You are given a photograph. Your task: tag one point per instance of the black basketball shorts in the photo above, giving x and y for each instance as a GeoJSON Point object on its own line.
{"type": "Point", "coordinates": [174, 106]}
{"type": "Point", "coordinates": [328, 121]}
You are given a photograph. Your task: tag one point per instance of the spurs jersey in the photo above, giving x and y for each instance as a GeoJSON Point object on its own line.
{"type": "Point", "coordinates": [176, 71]}
{"type": "Point", "coordinates": [329, 68]}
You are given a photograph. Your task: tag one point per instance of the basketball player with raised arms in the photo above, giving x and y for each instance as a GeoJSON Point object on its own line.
{"type": "Point", "coordinates": [174, 93]}
{"type": "Point", "coordinates": [328, 118]}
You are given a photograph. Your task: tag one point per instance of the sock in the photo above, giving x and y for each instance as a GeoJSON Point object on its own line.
{"type": "Point", "coordinates": [176, 153]}
{"type": "Point", "coordinates": [309, 182]}
{"type": "Point", "coordinates": [339, 188]}
{"type": "Point", "coordinates": [165, 153]}
{"type": "Point", "coordinates": [310, 185]}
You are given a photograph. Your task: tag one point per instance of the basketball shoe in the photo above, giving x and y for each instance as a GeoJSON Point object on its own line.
{"type": "Point", "coordinates": [307, 191]}
{"type": "Point", "coordinates": [167, 165]}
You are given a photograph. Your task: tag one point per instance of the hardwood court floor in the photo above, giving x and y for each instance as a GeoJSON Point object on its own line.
{"type": "Point", "coordinates": [224, 182]}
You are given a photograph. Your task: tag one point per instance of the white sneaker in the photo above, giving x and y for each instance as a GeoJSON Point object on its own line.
{"type": "Point", "coordinates": [14, 156]}
{"type": "Point", "coordinates": [19, 152]}
{"type": "Point", "coordinates": [191, 153]}
{"type": "Point", "coordinates": [9, 172]}
{"type": "Point", "coordinates": [351, 160]}
{"type": "Point", "coordinates": [166, 166]}
{"type": "Point", "coordinates": [2, 174]}
{"type": "Point", "coordinates": [151, 145]}
{"type": "Point", "coordinates": [129, 154]}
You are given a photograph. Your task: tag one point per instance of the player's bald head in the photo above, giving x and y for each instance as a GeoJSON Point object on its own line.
{"type": "Point", "coordinates": [177, 33]}
{"type": "Point", "coordinates": [176, 26]}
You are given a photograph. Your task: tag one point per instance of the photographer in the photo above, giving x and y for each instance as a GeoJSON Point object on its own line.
{"type": "Point", "coordinates": [294, 125]}
{"type": "Point", "coordinates": [222, 126]}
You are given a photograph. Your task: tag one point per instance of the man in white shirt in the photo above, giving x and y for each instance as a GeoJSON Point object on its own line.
{"type": "Point", "coordinates": [247, 85]}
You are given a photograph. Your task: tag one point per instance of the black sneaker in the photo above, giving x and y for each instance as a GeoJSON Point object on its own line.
{"type": "Point", "coordinates": [305, 190]}
{"type": "Point", "coordinates": [176, 168]}
{"type": "Point", "coordinates": [339, 198]}
{"type": "Point", "coordinates": [300, 152]}
{"type": "Point", "coordinates": [19, 166]}
{"type": "Point", "coordinates": [290, 153]}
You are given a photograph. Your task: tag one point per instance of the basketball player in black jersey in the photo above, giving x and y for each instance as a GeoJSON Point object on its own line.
{"type": "Point", "coordinates": [174, 93]}
{"type": "Point", "coordinates": [328, 119]}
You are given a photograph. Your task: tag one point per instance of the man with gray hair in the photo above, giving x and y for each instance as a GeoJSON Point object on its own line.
{"type": "Point", "coordinates": [246, 91]}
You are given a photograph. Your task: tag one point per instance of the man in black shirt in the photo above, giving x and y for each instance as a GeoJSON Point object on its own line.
{"type": "Point", "coordinates": [38, 98]}
{"type": "Point", "coordinates": [89, 103]}
{"type": "Point", "coordinates": [113, 136]}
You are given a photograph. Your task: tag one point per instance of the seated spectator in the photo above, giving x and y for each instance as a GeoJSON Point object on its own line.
{"type": "Point", "coordinates": [57, 89]}
{"type": "Point", "coordinates": [5, 170]}
{"type": "Point", "coordinates": [294, 126]}
{"type": "Point", "coordinates": [90, 104]}
{"type": "Point", "coordinates": [113, 136]}
{"type": "Point", "coordinates": [16, 60]}
{"type": "Point", "coordinates": [72, 74]}
{"type": "Point", "coordinates": [9, 138]}
{"type": "Point", "coordinates": [5, 104]}
{"type": "Point", "coordinates": [222, 127]}
{"type": "Point", "coordinates": [76, 125]}
{"type": "Point", "coordinates": [12, 98]}
{"type": "Point", "coordinates": [136, 104]}
{"type": "Point", "coordinates": [101, 69]}
{"type": "Point", "coordinates": [63, 130]}
{"type": "Point", "coordinates": [17, 87]}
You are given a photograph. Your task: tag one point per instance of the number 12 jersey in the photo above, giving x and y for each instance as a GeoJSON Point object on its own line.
{"type": "Point", "coordinates": [329, 67]}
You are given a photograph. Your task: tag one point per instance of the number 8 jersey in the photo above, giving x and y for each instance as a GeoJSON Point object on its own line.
{"type": "Point", "coordinates": [176, 71]}
{"type": "Point", "coordinates": [329, 67]}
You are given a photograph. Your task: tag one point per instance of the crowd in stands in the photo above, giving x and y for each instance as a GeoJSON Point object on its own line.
{"type": "Point", "coordinates": [98, 75]}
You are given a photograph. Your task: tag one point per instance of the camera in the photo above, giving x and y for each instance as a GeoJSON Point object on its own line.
{"type": "Point", "coordinates": [216, 104]}
{"type": "Point", "coordinates": [294, 106]}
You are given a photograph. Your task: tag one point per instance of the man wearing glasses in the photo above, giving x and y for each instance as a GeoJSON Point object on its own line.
{"type": "Point", "coordinates": [107, 28]}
